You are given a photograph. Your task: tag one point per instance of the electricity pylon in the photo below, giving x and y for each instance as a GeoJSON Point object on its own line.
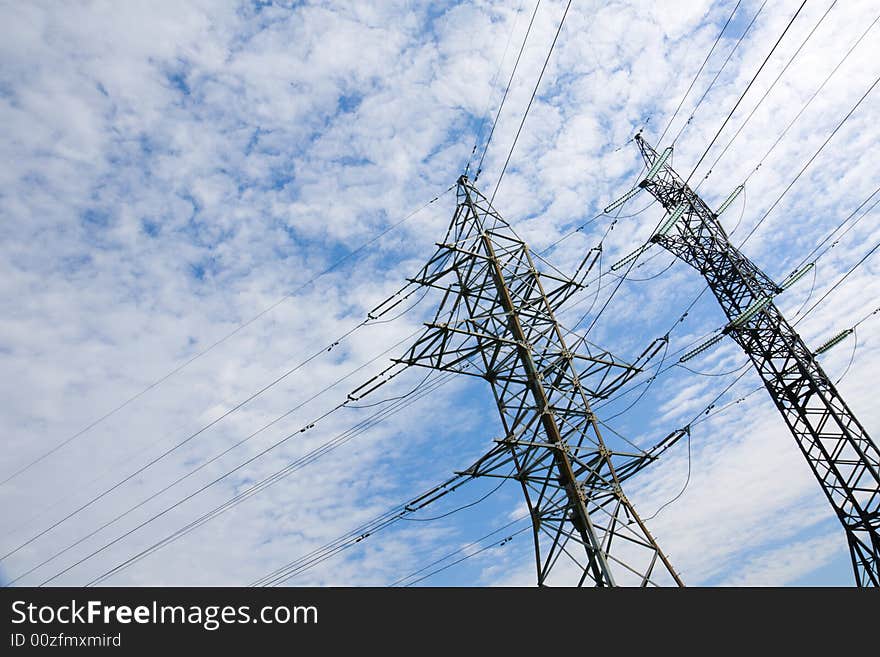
{"type": "Point", "coordinates": [839, 451]}
{"type": "Point", "coordinates": [496, 321]}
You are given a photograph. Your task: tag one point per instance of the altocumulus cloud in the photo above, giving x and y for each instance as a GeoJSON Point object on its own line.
{"type": "Point", "coordinates": [171, 169]}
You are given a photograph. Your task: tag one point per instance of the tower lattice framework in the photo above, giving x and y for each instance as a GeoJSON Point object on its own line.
{"type": "Point", "coordinates": [838, 449]}
{"type": "Point", "coordinates": [496, 321]}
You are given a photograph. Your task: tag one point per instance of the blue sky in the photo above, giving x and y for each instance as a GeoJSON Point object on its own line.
{"type": "Point", "coordinates": [173, 169]}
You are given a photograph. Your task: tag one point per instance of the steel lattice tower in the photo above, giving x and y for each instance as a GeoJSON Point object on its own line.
{"type": "Point", "coordinates": [496, 321]}
{"type": "Point", "coordinates": [839, 451]}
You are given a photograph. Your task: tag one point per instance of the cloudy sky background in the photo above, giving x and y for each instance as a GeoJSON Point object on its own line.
{"type": "Point", "coordinates": [173, 169]}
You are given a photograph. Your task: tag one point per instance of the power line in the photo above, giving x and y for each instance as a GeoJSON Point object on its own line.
{"type": "Point", "coordinates": [326, 447]}
{"type": "Point", "coordinates": [812, 98]}
{"type": "Point", "coordinates": [284, 574]}
{"type": "Point", "coordinates": [698, 373]}
{"type": "Point", "coordinates": [599, 283]}
{"type": "Point", "coordinates": [277, 476]}
{"type": "Point", "coordinates": [767, 92]}
{"type": "Point", "coordinates": [696, 420]}
{"type": "Point", "coordinates": [196, 433]}
{"type": "Point", "coordinates": [719, 71]}
{"type": "Point", "coordinates": [839, 281]}
{"type": "Point", "coordinates": [840, 225]}
{"type": "Point", "coordinates": [191, 495]}
{"type": "Point", "coordinates": [683, 488]}
{"type": "Point", "coordinates": [531, 100]}
{"type": "Point", "coordinates": [652, 276]}
{"type": "Point", "coordinates": [223, 339]}
{"type": "Point", "coordinates": [463, 506]}
{"type": "Point", "coordinates": [697, 75]}
{"type": "Point", "coordinates": [44, 510]}
{"type": "Point", "coordinates": [211, 460]}
{"type": "Point", "coordinates": [351, 538]}
{"type": "Point", "coordinates": [479, 132]}
{"type": "Point", "coordinates": [506, 90]}
{"type": "Point", "coordinates": [809, 294]}
{"type": "Point", "coordinates": [361, 532]}
{"type": "Point", "coordinates": [809, 162]}
{"type": "Point", "coordinates": [460, 550]}
{"type": "Point", "coordinates": [743, 95]}
{"type": "Point", "coordinates": [617, 215]}
{"type": "Point", "coordinates": [852, 357]}
{"type": "Point", "coordinates": [470, 555]}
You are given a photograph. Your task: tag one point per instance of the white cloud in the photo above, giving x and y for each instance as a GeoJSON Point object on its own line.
{"type": "Point", "coordinates": [173, 169]}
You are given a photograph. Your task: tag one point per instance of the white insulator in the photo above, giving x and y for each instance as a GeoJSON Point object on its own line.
{"type": "Point", "coordinates": [730, 199]}
{"type": "Point", "coordinates": [673, 218]}
{"type": "Point", "coordinates": [698, 350]}
{"type": "Point", "coordinates": [837, 339]}
{"type": "Point", "coordinates": [798, 275]}
{"type": "Point", "coordinates": [658, 164]}
{"type": "Point", "coordinates": [632, 256]}
{"type": "Point", "coordinates": [751, 311]}
{"type": "Point", "coordinates": [623, 199]}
